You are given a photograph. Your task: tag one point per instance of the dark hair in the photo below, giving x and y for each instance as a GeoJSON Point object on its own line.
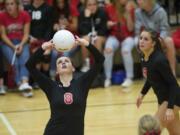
{"type": "Point", "coordinates": [59, 12]}
{"type": "Point", "coordinates": [156, 38]}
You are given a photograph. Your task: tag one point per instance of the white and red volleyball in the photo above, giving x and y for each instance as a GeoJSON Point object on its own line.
{"type": "Point", "coordinates": [63, 40]}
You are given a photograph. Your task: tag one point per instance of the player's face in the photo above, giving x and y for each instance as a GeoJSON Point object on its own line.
{"type": "Point", "coordinates": [64, 65]}
{"type": "Point", "coordinates": [145, 42]}
{"type": "Point", "coordinates": [92, 6]}
{"type": "Point", "coordinates": [11, 7]}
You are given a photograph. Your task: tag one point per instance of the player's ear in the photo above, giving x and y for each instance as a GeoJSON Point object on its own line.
{"type": "Point", "coordinates": [73, 69]}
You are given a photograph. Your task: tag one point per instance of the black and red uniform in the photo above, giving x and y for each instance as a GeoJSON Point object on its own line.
{"type": "Point", "coordinates": [67, 104]}
{"type": "Point", "coordinates": [159, 76]}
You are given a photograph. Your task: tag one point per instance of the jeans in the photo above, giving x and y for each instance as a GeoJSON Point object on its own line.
{"type": "Point", "coordinates": [20, 69]}
{"type": "Point", "coordinates": [126, 47]}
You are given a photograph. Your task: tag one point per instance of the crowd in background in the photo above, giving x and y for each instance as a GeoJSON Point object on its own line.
{"type": "Point", "coordinates": [107, 24]}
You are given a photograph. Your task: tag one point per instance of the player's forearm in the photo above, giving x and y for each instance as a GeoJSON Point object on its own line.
{"type": "Point", "coordinates": [31, 63]}
{"type": "Point", "coordinates": [99, 58]}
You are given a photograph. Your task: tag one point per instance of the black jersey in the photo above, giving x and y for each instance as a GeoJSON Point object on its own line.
{"type": "Point", "coordinates": [98, 21]}
{"type": "Point", "coordinates": [159, 76]}
{"type": "Point", "coordinates": [67, 104]}
{"type": "Point", "coordinates": [41, 21]}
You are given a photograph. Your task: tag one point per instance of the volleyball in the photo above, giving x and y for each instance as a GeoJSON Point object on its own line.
{"type": "Point", "coordinates": [63, 40]}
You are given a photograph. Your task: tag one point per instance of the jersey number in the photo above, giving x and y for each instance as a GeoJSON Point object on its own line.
{"type": "Point", "coordinates": [36, 15]}
{"type": "Point", "coordinates": [68, 98]}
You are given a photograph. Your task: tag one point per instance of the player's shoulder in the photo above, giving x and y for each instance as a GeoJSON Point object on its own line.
{"type": "Point", "coordinates": [160, 58]}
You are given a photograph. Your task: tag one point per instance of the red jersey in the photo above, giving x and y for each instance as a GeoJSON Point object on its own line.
{"type": "Point", "coordinates": [14, 26]}
{"type": "Point", "coordinates": [120, 30]}
{"type": "Point", "coordinates": [73, 7]}
{"type": "Point", "coordinates": [176, 38]}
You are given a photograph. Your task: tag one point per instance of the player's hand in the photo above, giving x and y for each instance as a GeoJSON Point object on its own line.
{"type": "Point", "coordinates": [47, 46]}
{"type": "Point", "coordinates": [81, 41]}
{"type": "Point", "coordinates": [169, 115]}
{"type": "Point", "coordinates": [139, 100]}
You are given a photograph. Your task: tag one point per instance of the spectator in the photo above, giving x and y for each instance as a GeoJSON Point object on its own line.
{"type": "Point", "coordinates": [41, 31]}
{"type": "Point", "coordinates": [14, 33]}
{"type": "Point", "coordinates": [64, 16]}
{"type": "Point", "coordinates": [151, 15]}
{"type": "Point", "coordinates": [148, 125]}
{"type": "Point", "coordinates": [92, 26]}
{"type": "Point", "coordinates": [121, 26]}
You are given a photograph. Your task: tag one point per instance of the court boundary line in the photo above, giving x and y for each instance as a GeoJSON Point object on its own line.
{"type": "Point", "coordinates": [7, 124]}
{"type": "Point", "coordinates": [97, 105]}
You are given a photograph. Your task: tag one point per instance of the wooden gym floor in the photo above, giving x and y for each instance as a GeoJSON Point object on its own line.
{"type": "Point", "coordinates": [110, 111]}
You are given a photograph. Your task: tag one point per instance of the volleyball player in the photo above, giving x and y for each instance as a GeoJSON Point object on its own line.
{"type": "Point", "coordinates": [67, 97]}
{"type": "Point", "coordinates": [159, 76]}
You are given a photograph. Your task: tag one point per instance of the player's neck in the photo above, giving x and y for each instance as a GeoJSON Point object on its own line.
{"type": "Point", "coordinates": [14, 14]}
{"type": "Point", "coordinates": [147, 54]}
{"type": "Point", "coordinates": [66, 79]}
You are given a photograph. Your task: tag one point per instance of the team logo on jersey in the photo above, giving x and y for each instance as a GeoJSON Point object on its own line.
{"type": "Point", "coordinates": [68, 98]}
{"type": "Point", "coordinates": [144, 70]}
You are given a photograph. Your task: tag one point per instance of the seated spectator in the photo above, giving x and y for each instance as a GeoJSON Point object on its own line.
{"type": "Point", "coordinates": [92, 27]}
{"type": "Point", "coordinates": [121, 27]}
{"type": "Point", "coordinates": [148, 125]}
{"type": "Point", "coordinates": [15, 25]}
{"type": "Point", "coordinates": [40, 31]}
{"type": "Point", "coordinates": [64, 16]}
{"type": "Point", "coordinates": [151, 15]}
